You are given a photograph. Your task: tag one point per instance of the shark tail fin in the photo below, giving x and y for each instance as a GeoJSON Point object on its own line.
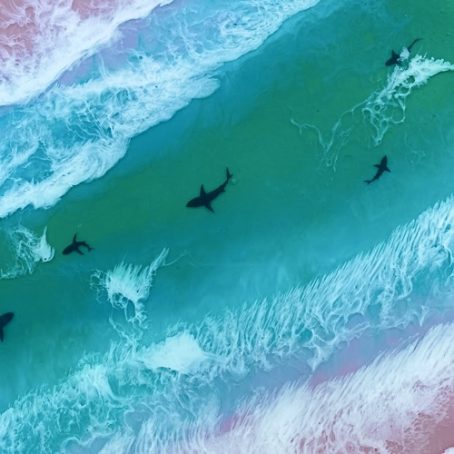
{"type": "Point", "coordinates": [228, 174]}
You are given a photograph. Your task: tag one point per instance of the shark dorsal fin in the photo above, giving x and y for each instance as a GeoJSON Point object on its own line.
{"type": "Point", "coordinates": [202, 191]}
{"type": "Point", "coordinates": [75, 238]}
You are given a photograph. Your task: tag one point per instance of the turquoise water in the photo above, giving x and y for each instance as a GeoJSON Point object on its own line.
{"type": "Point", "coordinates": [286, 271]}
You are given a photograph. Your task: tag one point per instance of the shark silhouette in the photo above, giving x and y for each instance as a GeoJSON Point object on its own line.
{"type": "Point", "coordinates": [395, 57]}
{"type": "Point", "coordinates": [75, 246]}
{"type": "Point", "coordinates": [4, 320]}
{"type": "Point", "coordinates": [381, 169]}
{"type": "Point", "coordinates": [204, 199]}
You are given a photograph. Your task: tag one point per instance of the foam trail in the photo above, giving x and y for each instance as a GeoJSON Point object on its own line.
{"type": "Point", "coordinates": [399, 404]}
{"type": "Point", "coordinates": [129, 284]}
{"type": "Point", "coordinates": [76, 133]}
{"type": "Point", "coordinates": [27, 250]}
{"type": "Point", "coordinates": [382, 108]}
{"type": "Point", "coordinates": [30, 29]}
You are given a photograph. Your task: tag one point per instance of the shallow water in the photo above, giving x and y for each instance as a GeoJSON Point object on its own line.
{"type": "Point", "coordinates": [285, 274]}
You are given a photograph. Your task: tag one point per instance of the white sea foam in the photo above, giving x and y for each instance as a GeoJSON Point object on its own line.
{"type": "Point", "coordinates": [391, 406]}
{"type": "Point", "coordinates": [40, 40]}
{"type": "Point", "coordinates": [181, 379]}
{"type": "Point", "coordinates": [387, 107]}
{"type": "Point", "coordinates": [180, 353]}
{"type": "Point", "coordinates": [73, 134]}
{"type": "Point", "coordinates": [27, 251]}
{"type": "Point", "coordinates": [382, 109]}
{"type": "Point", "coordinates": [127, 285]}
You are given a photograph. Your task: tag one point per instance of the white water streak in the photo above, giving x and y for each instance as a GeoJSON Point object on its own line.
{"type": "Point", "coordinates": [28, 250]}
{"type": "Point", "coordinates": [130, 284]}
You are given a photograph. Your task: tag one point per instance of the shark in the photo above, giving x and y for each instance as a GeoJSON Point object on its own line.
{"type": "Point", "coordinates": [205, 198]}
{"type": "Point", "coordinates": [4, 320]}
{"type": "Point", "coordinates": [382, 167]}
{"type": "Point", "coordinates": [76, 245]}
{"type": "Point", "coordinates": [395, 58]}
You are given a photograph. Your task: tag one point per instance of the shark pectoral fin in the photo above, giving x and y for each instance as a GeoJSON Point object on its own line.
{"type": "Point", "coordinates": [387, 169]}
{"type": "Point", "coordinates": [209, 207]}
{"type": "Point", "coordinates": [79, 251]}
{"type": "Point", "coordinates": [377, 165]}
{"type": "Point", "coordinates": [1, 334]}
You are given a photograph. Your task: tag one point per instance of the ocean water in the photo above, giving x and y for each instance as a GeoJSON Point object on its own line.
{"type": "Point", "coordinates": [310, 312]}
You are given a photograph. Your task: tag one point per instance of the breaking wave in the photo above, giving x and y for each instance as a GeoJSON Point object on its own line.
{"type": "Point", "coordinates": [401, 404]}
{"type": "Point", "coordinates": [29, 31]}
{"type": "Point", "coordinates": [75, 133]}
{"type": "Point", "coordinates": [180, 382]}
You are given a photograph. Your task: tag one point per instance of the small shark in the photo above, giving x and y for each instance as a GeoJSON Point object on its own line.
{"type": "Point", "coordinates": [395, 58]}
{"type": "Point", "coordinates": [75, 246]}
{"type": "Point", "coordinates": [205, 198]}
{"type": "Point", "coordinates": [4, 320]}
{"type": "Point", "coordinates": [381, 168]}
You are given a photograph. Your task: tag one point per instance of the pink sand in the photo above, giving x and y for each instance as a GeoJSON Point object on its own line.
{"type": "Point", "coordinates": [21, 24]}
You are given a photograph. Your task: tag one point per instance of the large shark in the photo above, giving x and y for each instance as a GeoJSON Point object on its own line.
{"type": "Point", "coordinates": [4, 320]}
{"type": "Point", "coordinates": [204, 199]}
{"type": "Point", "coordinates": [381, 169]}
{"type": "Point", "coordinates": [395, 58]}
{"type": "Point", "coordinates": [75, 246]}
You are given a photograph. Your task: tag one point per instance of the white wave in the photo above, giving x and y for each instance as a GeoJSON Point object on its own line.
{"type": "Point", "coordinates": [339, 306]}
{"type": "Point", "coordinates": [382, 108]}
{"type": "Point", "coordinates": [129, 284]}
{"type": "Point", "coordinates": [181, 380]}
{"type": "Point", "coordinates": [73, 134]}
{"type": "Point", "coordinates": [27, 251]}
{"type": "Point", "coordinates": [394, 405]}
{"type": "Point", "coordinates": [39, 40]}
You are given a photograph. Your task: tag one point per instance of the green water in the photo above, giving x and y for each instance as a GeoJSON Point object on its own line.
{"type": "Point", "coordinates": [290, 216]}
